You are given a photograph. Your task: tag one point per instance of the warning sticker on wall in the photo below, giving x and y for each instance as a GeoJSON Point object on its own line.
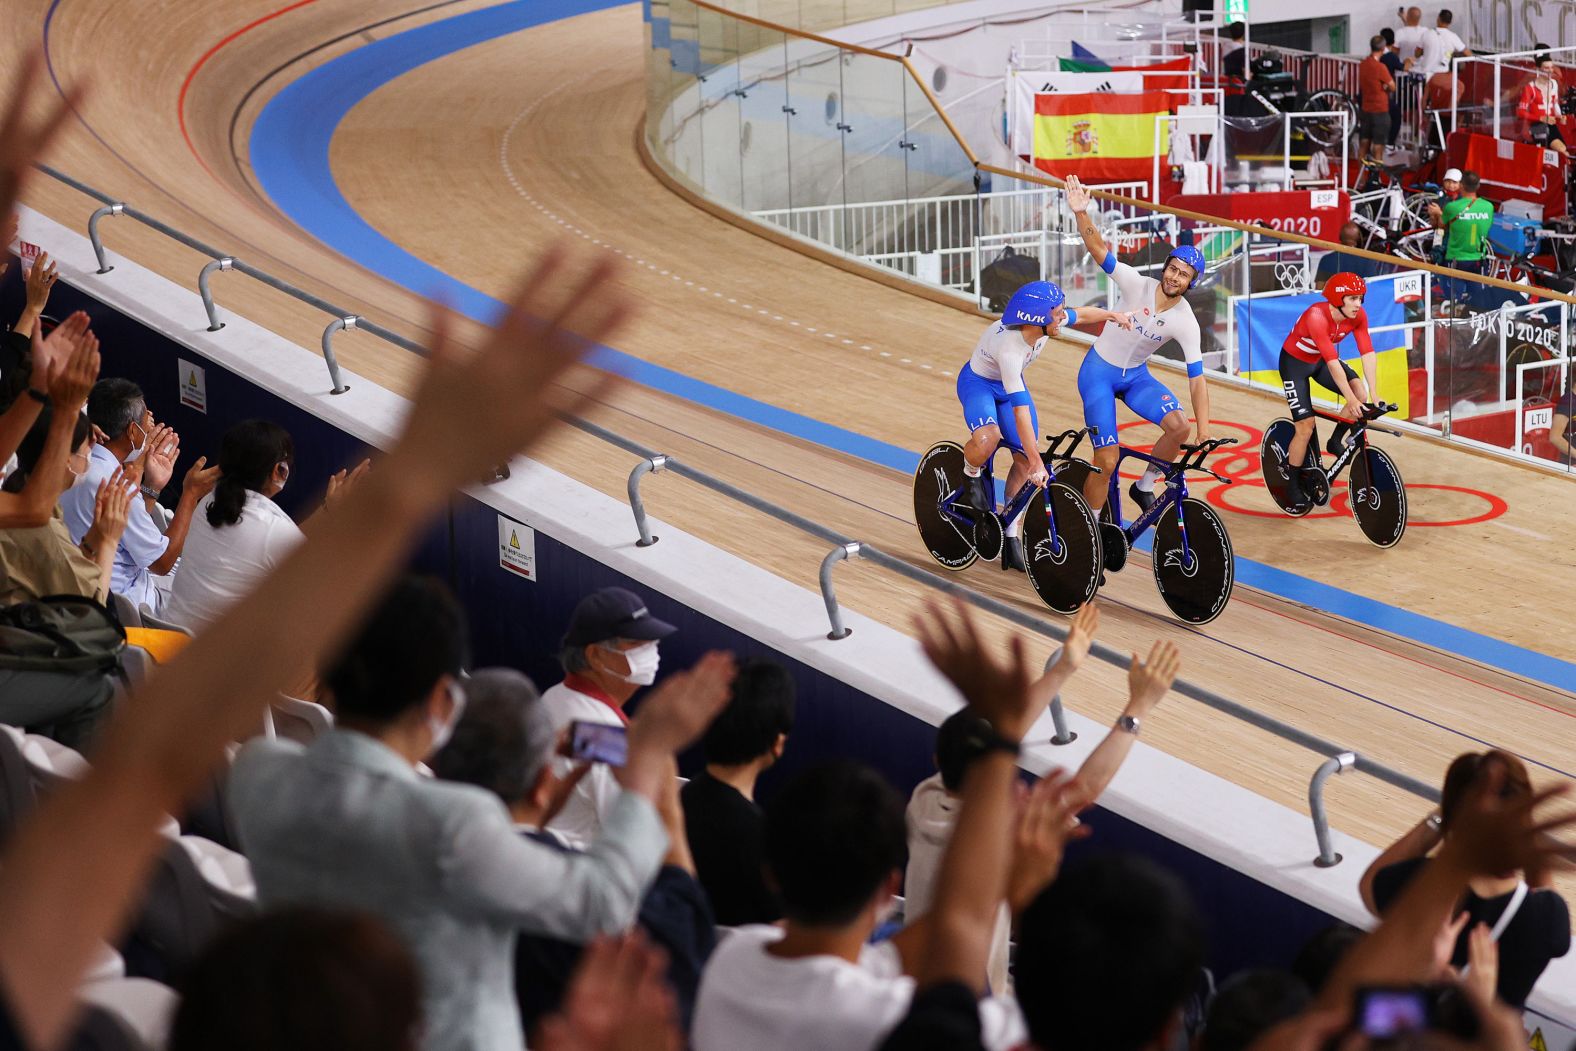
{"type": "Point", "coordinates": [194, 385]}
{"type": "Point", "coordinates": [517, 547]}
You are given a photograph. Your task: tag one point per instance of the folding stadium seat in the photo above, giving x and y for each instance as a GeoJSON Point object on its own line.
{"type": "Point", "coordinates": [16, 781]}
{"type": "Point", "coordinates": [189, 900]}
{"type": "Point", "coordinates": [126, 610]}
{"type": "Point", "coordinates": [150, 620]}
{"type": "Point", "coordinates": [299, 720]}
{"type": "Point", "coordinates": [134, 1014]}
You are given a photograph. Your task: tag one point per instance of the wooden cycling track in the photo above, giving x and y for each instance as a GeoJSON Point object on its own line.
{"type": "Point", "coordinates": [475, 161]}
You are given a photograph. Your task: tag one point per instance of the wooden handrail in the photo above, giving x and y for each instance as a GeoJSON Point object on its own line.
{"type": "Point", "coordinates": [1131, 202]}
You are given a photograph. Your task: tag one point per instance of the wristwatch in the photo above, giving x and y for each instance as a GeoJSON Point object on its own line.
{"type": "Point", "coordinates": [150, 492]}
{"type": "Point", "coordinates": [1434, 821]}
{"type": "Point", "coordinates": [1128, 723]}
{"type": "Point", "coordinates": [38, 395]}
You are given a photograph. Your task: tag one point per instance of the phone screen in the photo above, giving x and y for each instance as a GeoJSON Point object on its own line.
{"type": "Point", "coordinates": [1384, 1013]}
{"type": "Point", "coordinates": [598, 743]}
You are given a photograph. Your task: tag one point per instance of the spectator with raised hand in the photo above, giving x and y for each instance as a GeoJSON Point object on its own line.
{"type": "Point", "coordinates": [239, 534]}
{"type": "Point", "coordinates": [1527, 919]}
{"type": "Point", "coordinates": [609, 652]}
{"type": "Point", "coordinates": [725, 826]}
{"type": "Point", "coordinates": [70, 345]}
{"type": "Point", "coordinates": [505, 743]}
{"type": "Point", "coordinates": [40, 282]}
{"type": "Point", "coordinates": [151, 546]}
{"type": "Point", "coordinates": [347, 822]}
{"type": "Point", "coordinates": [976, 865]}
{"type": "Point", "coordinates": [42, 560]}
{"type": "Point", "coordinates": [71, 874]}
{"type": "Point", "coordinates": [616, 1002]}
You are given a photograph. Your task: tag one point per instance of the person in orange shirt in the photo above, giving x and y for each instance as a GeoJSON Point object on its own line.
{"type": "Point", "coordinates": [1376, 85]}
{"type": "Point", "coordinates": [1540, 106]}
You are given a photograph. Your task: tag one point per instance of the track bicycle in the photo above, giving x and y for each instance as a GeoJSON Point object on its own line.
{"type": "Point", "coordinates": [1061, 539]}
{"type": "Point", "coordinates": [1376, 493]}
{"type": "Point", "coordinates": [1193, 564]}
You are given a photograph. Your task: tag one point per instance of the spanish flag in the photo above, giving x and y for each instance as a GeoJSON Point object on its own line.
{"type": "Point", "coordinates": [1108, 138]}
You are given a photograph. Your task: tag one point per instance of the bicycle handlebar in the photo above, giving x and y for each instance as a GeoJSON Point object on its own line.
{"type": "Point", "coordinates": [1193, 457]}
{"type": "Point", "coordinates": [1053, 448]}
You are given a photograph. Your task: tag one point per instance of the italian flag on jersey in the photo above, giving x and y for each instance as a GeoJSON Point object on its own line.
{"type": "Point", "coordinates": [1097, 137]}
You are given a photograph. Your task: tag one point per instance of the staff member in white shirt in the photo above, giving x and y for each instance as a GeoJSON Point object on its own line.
{"type": "Point", "coordinates": [1440, 45]}
{"type": "Point", "coordinates": [609, 652]}
{"type": "Point", "coordinates": [239, 534]}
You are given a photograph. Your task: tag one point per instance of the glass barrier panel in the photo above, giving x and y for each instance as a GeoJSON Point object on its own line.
{"type": "Point", "coordinates": [945, 212]}
{"type": "Point", "coordinates": [681, 134]}
{"type": "Point", "coordinates": [720, 98]}
{"type": "Point", "coordinates": [763, 134]}
{"type": "Point", "coordinates": [875, 179]}
{"type": "Point", "coordinates": [815, 145]}
{"type": "Point", "coordinates": [659, 75]}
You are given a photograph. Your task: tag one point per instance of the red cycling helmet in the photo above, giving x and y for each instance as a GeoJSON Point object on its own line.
{"type": "Point", "coordinates": [1337, 288]}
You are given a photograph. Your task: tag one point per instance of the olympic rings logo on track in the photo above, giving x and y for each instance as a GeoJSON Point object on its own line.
{"type": "Point", "coordinates": [1241, 463]}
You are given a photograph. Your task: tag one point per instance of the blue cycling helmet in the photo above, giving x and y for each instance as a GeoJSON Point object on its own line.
{"type": "Point", "coordinates": [1192, 257]}
{"type": "Point", "coordinates": [1032, 304]}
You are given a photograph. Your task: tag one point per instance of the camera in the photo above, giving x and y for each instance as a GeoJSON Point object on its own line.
{"type": "Point", "coordinates": [1384, 1013]}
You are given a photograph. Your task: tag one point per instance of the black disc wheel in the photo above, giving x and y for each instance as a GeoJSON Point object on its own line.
{"type": "Point", "coordinates": [1062, 548]}
{"type": "Point", "coordinates": [1378, 497]}
{"type": "Point", "coordinates": [940, 475]}
{"type": "Point", "coordinates": [1193, 563]}
{"type": "Point", "coordinates": [988, 536]}
{"type": "Point", "coordinates": [1277, 473]}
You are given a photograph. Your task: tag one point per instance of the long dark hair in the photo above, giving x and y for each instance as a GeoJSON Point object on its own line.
{"type": "Point", "coordinates": [32, 447]}
{"type": "Point", "coordinates": [247, 457]}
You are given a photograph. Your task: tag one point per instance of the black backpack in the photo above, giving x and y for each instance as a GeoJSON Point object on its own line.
{"type": "Point", "coordinates": [60, 633]}
{"type": "Point", "coordinates": [1008, 273]}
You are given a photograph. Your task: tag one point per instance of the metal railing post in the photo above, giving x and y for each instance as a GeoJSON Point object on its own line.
{"type": "Point", "coordinates": [214, 324]}
{"type": "Point", "coordinates": [636, 504]}
{"type": "Point", "coordinates": [1058, 717]}
{"type": "Point", "coordinates": [1321, 821]}
{"type": "Point", "coordinates": [833, 613]}
{"type": "Point", "coordinates": [93, 233]}
{"type": "Point", "coordinates": [339, 324]}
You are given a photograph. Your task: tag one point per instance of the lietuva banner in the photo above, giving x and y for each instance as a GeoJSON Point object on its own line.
{"type": "Point", "coordinates": [1100, 138]}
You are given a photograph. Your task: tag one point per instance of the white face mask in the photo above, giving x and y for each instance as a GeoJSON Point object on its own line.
{"type": "Point", "coordinates": [643, 662]}
{"type": "Point", "coordinates": [442, 731]}
{"type": "Point", "coordinates": [137, 450]}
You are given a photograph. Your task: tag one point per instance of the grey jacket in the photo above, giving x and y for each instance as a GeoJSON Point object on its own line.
{"type": "Point", "coordinates": [347, 823]}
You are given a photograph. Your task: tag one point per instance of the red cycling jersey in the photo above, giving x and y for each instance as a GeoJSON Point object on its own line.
{"type": "Point", "coordinates": [1316, 334]}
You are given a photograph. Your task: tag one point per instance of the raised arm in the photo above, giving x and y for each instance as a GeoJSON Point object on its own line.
{"type": "Point", "coordinates": [68, 392]}
{"type": "Point", "coordinates": [1078, 199]}
{"type": "Point", "coordinates": [1148, 682]}
{"type": "Point", "coordinates": [71, 874]}
{"type": "Point", "coordinates": [1415, 843]}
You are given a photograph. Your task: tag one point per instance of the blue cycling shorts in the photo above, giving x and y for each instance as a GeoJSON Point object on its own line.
{"type": "Point", "coordinates": [1099, 385]}
{"type": "Point", "coordinates": [987, 401]}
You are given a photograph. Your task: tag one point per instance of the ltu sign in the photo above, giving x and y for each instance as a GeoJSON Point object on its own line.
{"type": "Point", "coordinates": [1517, 25]}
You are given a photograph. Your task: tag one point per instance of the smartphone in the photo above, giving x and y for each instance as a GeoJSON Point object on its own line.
{"type": "Point", "coordinates": [1386, 1012]}
{"type": "Point", "coordinates": [598, 743]}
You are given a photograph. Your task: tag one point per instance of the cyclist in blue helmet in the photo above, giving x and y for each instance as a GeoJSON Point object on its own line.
{"type": "Point", "coordinates": [996, 401]}
{"type": "Point", "coordinates": [1117, 366]}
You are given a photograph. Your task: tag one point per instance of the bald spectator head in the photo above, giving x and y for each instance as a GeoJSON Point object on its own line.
{"type": "Point", "coordinates": [1414, 16]}
{"type": "Point", "coordinates": [1351, 233]}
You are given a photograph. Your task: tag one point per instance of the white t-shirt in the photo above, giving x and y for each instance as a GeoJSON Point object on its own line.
{"type": "Point", "coordinates": [1407, 40]}
{"type": "Point", "coordinates": [1002, 355]}
{"type": "Point", "coordinates": [750, 999]}
{"type": "Point", "coordinates": [581, 818]}
{"type": "Point", "coordinates": [1438, 45]}
{"type": "Point", "coordinates": [220, 566]}
{"type": "Point", "coordinates": [1127, 350]}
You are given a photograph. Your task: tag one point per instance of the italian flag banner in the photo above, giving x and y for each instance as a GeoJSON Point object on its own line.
{"type": "Point", "coordinates": [1104, 138]}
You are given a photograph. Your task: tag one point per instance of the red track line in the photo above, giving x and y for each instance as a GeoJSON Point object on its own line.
{"type": "Point", "coordinates": [191, 74]}
{"type": "Point", "coordinates": [1414, 660]}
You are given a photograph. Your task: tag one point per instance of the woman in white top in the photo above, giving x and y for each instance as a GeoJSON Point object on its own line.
{"type": "Point", "coordinates": [238, 534]}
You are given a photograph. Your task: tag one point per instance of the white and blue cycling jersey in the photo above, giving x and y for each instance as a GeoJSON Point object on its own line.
{"type": "Point", "coordinates": [1117, 366]}
{"type": "Point", "coordinates": [990, 384]}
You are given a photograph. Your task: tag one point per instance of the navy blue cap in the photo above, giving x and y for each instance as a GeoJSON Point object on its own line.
{"type": "Point", "coordinates": [613, 613]}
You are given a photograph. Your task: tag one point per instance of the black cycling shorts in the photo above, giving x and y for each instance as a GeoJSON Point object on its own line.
{"type": "Point", "coordinates": [1295, 374]}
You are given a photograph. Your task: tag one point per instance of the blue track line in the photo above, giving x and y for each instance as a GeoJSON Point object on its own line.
{"type": "Point", "coordinates": [290, 145]}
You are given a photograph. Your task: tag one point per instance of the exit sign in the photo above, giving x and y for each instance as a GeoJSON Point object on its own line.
{"type": "Point", "coordinates": [1236, 11]}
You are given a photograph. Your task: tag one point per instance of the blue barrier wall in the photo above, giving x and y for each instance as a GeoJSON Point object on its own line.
{"type": "Point", "coordinates": [517, 622]}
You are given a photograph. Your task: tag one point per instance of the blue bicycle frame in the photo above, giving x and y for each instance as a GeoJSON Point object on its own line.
{"type": "Point", "coordinates": [1020, 500]}
{"type": "Point", "coordinates": [1175, 479]}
